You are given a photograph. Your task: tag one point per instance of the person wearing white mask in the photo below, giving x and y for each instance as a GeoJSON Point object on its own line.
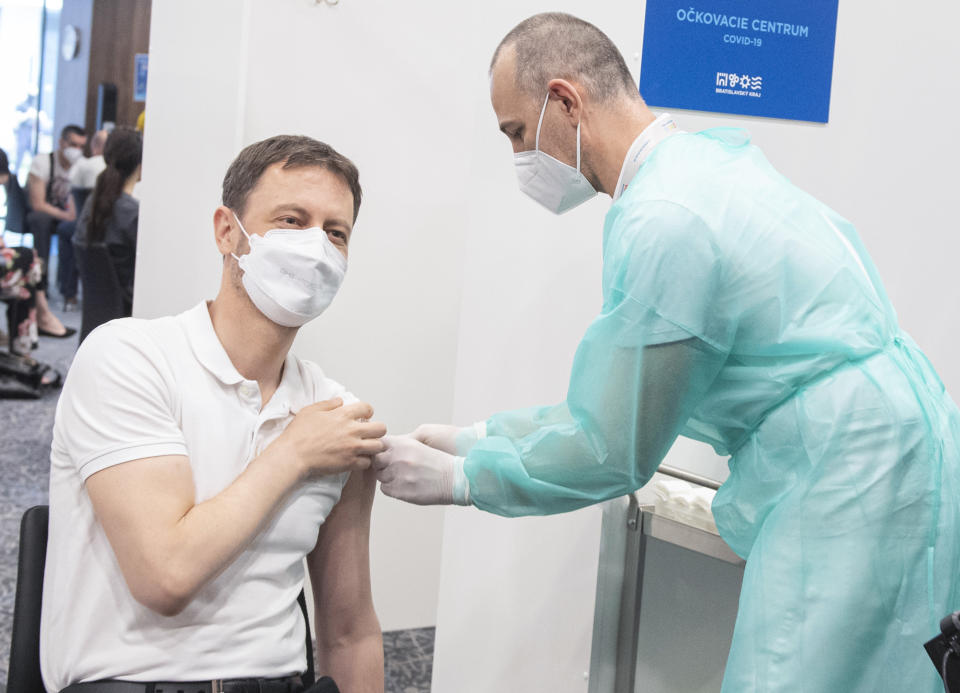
{"type": "Point", "coordinates": [83, 174]}
{"type": "Point", "coordinates": [196, 463]}
{"type": "Point", "coordinates": [741, 312]}
{"type": "Point", "coordinates": [48, 193]}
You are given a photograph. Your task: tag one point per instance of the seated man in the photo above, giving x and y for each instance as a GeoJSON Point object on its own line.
{"type": "Point", "coordinates": [196, 463]}
{"type": "Point", "coordinates": [83, 174]}
{"type": "Point", "coordinates": [48, 187]}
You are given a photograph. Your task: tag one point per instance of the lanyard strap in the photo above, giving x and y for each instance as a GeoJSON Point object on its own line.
{"type": "Point", "coordinates": [652, 135]}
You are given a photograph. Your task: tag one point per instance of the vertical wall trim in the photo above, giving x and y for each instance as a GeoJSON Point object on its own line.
{"type": "Point", "coordinates": [242, 77]}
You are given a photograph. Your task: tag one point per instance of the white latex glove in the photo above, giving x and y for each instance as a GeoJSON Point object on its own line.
{"type": "Point", "coordinates": [416, 473]}
{"type": "Point", "coordinates": [451, 439]}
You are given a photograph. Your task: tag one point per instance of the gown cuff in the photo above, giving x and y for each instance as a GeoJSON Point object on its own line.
{"type": "Point", "coordinates": [461, 484]}
{"type": "Point", "coordinates": [469, 436]}
{"type": "Point", "coordinates": [480, 429]}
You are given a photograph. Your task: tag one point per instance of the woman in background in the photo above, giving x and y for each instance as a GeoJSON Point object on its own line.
{"type": "Point", "coordinates": [109, 217]}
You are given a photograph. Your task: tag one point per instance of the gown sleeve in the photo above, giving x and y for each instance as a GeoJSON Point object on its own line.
{"type": "Point", "coordinates": [639, 372]}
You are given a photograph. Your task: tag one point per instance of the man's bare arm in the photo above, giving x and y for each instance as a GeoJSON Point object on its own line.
{"type": "Point", "coordinates": [37, 190]}
{"type": "Point", "coordinates": [349, 640]}
{"type": "Point", "coordinates": [168, 546]}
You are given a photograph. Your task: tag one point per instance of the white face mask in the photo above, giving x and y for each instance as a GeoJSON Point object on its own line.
{"type": "Point", "coordinates": [554, 184]}
{"type": "Point", "coordinates": [72, 155]}
{"type": "Point", "coordinates": [291, 275]}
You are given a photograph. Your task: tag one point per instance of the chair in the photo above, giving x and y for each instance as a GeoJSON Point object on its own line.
{"type": "Point", "coordinates": [309, 676]}
{"type": "Point", "coordinates": [67, 271]}
{"type": "Point", "coordinates": [80, 196]}
{"type": "Point", "coordinates": [17, 206]}
{"type": "Point", "coordinates": [23, 675]}
{"type": "Point", "coordinates": [102, 298]}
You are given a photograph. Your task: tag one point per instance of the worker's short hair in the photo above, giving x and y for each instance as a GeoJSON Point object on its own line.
{"type": "Point", "coordinates": [554, 45]}
{"type": "Point", "coordinates": [72, 130]}
{"type": "Point", "coordinates": [295, 151]}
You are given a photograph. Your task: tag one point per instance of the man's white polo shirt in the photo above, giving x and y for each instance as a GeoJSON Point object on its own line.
{"type": "Point", "coordinates": [143, 388]}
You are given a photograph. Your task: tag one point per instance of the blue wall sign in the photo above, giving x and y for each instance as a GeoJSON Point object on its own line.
{"type": "Point", "coordinates": [140, 77]}
{"type": "Point", "coordinates": [770, 58]}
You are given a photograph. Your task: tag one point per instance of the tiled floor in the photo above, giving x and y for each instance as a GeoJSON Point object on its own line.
{"type": "Point", "coordinates": [408, 660]}
{"type": "Point", "coordinates": [25, 435]}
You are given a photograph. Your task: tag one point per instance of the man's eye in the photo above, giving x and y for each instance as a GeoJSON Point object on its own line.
{"type": "Point", "coordinates": [292, 221]}
{"type": "Point", "coordinates": [339, 235]}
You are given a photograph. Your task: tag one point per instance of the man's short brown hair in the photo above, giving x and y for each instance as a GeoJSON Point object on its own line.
{"type": "Point", "coordinates": [295, 151]}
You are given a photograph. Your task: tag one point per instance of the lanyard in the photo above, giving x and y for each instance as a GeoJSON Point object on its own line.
{"type": "Point", "coordinates": [652, 135]}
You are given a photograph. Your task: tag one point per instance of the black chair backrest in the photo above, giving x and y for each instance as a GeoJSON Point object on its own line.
{"type": "Point", "coordinates": [102, 298]}
{"type": "Point", "coordinates": [17, 206]}
{"type": "Point", "coordinates": [309, 676]}
{"type": "Point", "coordinates": [23, 676]}
{"type": "Point", "coordinates": [80, 196]}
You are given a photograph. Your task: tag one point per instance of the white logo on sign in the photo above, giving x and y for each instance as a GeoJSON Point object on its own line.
{"type": "Point", "coordinates": [739, 84]}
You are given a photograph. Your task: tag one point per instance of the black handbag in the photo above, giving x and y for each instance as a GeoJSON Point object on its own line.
{"type": "Point", "coordinates": [21, 377]}
{"type": "Point", "coordinates": [11, 388]}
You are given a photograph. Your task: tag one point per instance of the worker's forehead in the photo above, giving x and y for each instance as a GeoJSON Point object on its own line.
{"type": "Point", "coordinates": [509, 102]}
{"type": "Point", "coordinates": [503, 82]}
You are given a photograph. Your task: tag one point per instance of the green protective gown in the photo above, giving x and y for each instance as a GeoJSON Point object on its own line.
{"type": "Point", "coordinates": [742, 312]}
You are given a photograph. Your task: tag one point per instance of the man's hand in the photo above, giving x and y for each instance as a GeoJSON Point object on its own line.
{"type": "Point", "coordinates": [328, 438]}
{"type": "Point", "coordinates": [416, 473]}
{"type": "Point", "coordinates": [70, 213]}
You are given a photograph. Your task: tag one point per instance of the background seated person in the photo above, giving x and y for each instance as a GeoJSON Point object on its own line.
{"type": "Point", "coordinates": [20, 272]}
{"type": "Point", "coordinates": [196, 463]}
{"type": "Point", "coordinates": [83, 176]}
{"type": "Point", "coordinates": [110, 215]}
{"type": "Point", "coordinates": [48, 192]}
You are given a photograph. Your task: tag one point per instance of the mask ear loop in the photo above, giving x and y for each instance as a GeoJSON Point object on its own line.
{"type": "Point", "coordinates": [578, 145]}
{"type": "Point", "coordinates": [240, 224]}
{"type": "Point", "coordinates": [540, 122]}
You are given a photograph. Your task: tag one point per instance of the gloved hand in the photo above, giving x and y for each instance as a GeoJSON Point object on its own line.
{"type": "Point", "coordinates": [411, 471]}
{"type": "Point", "coordinates": [455, 440]}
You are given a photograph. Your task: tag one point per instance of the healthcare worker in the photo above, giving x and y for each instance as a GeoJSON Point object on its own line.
{"type": "Point", "coordinates": [742, 312]}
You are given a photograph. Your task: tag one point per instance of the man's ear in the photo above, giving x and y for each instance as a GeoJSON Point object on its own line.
{"type": "Point", "coordinates": [567, 94]}
{"type": "Point", "coordinates": [225, 230]}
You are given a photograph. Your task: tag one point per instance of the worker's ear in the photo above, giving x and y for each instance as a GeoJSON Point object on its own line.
{"type": "Point", "coordinates": [567, 93]}
{"type": "Point", "coordinates": [226, 231]}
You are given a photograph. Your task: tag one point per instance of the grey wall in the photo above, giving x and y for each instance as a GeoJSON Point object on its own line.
{"type": "Point", "coordinates": [72, 75]}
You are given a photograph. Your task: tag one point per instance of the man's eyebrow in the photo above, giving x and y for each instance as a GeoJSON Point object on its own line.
{"type": "Point", "coordinates": [508, 124]}
{"type": "Point", "coordinates": [295, 208]}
